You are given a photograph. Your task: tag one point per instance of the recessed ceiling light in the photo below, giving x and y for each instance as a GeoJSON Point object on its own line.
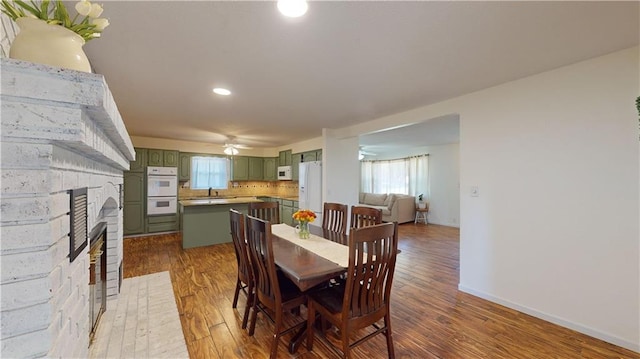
{"type": "Point", "coordinates": [293, 8]}
{"type": "Point", "coordinates": [221, 91]}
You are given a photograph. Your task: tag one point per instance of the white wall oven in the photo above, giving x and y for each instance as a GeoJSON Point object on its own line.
{"type": "Point", "coordinates": [162, 190]}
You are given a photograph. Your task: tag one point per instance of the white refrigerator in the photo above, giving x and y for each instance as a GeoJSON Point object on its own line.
{"type": "Point", "coordinates": [310, 188]}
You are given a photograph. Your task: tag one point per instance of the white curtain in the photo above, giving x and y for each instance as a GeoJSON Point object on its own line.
{"type": "Point", "coordinates": [209, 172]}
{"type": "Point", "coordinates": [405, 175]}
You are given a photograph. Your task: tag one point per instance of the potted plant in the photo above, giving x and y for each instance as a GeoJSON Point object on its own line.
{"type": "Point", "coordinates": [421, 204]}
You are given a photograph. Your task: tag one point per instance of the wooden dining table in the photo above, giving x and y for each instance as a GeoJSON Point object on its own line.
{"type": "Point", "coordinates": [305, 268]}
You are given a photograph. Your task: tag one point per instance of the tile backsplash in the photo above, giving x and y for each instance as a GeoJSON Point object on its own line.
{"type": "Point", "coordinates": [245, 188]}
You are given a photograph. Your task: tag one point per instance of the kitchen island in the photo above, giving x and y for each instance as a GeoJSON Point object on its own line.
{"type": "Point", "coordinates": [206, 221]}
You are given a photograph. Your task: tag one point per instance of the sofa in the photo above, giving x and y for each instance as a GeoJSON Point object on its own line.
{"type": "Point", "coordinates": [395, 207]}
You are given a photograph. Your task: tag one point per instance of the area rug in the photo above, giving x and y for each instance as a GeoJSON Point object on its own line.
{"type": "Point", "coordinates": [143, 322]}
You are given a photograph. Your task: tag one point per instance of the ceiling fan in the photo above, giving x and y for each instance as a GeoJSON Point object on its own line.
{"type": "Point", "coordinates": [231, 148]}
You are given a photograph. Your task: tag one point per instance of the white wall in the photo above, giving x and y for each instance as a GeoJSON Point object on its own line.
{"type": "Point", "coordinates": [554, 231]}
{"type": "Point", "coordinates": [340, 167]}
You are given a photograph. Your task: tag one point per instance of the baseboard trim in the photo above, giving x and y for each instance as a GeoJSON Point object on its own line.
{"type": "Point", "coordinates": [555, 320]}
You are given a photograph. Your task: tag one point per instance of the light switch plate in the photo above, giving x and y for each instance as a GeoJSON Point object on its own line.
{"type": "Point", "coordinates": [475, 192]}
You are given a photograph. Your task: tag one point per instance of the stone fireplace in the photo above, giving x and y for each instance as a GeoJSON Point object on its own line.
{"type": "Point", "coordinates": [61, 131]}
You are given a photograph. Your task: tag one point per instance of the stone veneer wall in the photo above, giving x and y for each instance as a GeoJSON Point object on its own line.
{"type": "Point", "coordinates": [60, 130]}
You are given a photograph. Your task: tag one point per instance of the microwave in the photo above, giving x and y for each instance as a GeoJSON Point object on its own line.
{"type": "Point", "coordinates": [284, 173]}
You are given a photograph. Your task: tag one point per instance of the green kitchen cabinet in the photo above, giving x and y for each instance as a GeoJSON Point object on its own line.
{"type": "Point", "coordinates": [284, 158]}
{"type": "Point", "coordinates": [134, 200]}
{"type": "Point", "coordinates": [140, 163]}
{"type": "Point", "coordinates": [162, 158]}
{"type": "Point", "coordinates": [155, 157]}
{"type": "Point", "coordinates": [133, 218]}
{"type": "Point", "coordinates": [296, 158]}
{"type": "Point", "coordinates": [319, 155]}
{"type": "Point", "coordinates": [256, 168]}
{"type": "Point", "coordinates": [162, 223]}
{"type": "Point", "coordinates": [184, 167]}
{"type": "Point", "coordinates": [270, 169]}
{"type": "Point", "coordinates": [170, 158]}
{"type": "Point", "coordinates": [309, 156]}
{"type": "Point", "coordinates": [240, 168]}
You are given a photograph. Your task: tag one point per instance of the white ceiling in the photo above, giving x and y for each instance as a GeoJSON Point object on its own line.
{"type": "Point", "coordinates": [342, 63]}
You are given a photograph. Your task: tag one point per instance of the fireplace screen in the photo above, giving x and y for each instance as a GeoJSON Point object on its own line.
{"type": "Point", "coordinates": [97, 276]}
{"type": "Point", "coordinates": [78, 217]}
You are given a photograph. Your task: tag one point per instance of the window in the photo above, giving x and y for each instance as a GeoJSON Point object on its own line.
{"type": "Point", "coordinates": [405, 175]}
{"type": "Point", "coordinates": [209, 172]}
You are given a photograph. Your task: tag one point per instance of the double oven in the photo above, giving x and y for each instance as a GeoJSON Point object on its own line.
{"type": "Point", "coordinates": [162, 190]}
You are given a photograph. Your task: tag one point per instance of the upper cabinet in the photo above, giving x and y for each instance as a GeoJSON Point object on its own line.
{"type": "Point", "coordinates": [162, 158]}
{"type": "Point", "coordinates": [184, 167]}
{"type": "Point", "coordinates": [256, 168]}
{"type": "Point", "coordinates": [270, 169]}
{"type": "Point", "coordinates": [296, 158]}
{"type": "Point", "coordinates": [141, 161]}
{"type": "Point", "coordinates": [315, 155]}
{"type": "Point", "coordinates": [285, 158]}
{"type": "Point", "coordinates": [240, 168]}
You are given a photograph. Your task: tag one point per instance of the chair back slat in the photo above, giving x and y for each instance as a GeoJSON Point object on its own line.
{"type": "Point", "coordinates": [245, 271]}
{"type": "Point", "coordinates": [334, 217]}
{"type": "Point", "coordinates": [268, 211]}
{"type": "Point", "coordinates": [372, 258]}
{"type": "Point", "coordinates": [362, 216]}
{"type": "Point", "coordinates": [260, 245]}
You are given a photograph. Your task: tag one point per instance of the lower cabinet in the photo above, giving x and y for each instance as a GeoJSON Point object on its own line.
{"type": "Point", "coordinates": [287, 209]}
{"type": "Point", "coordinates": [133, 218]}
{"type": "Point", "coordinates": [163, 223]}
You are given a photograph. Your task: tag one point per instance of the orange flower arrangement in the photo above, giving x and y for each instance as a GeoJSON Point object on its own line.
{"type": "Point", "coordinates": [304, 215]}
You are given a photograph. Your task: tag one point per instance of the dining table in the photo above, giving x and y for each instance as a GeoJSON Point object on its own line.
{"type": "Point", "coordinates": [309, 262]}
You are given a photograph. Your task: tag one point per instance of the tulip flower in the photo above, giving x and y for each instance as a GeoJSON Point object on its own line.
{"type": "Point", "coordinates": [96, 11]}
{"type": "Point", "coordinates": [83, 7]}
{"type": "Point", "coordinates": [100, 23]}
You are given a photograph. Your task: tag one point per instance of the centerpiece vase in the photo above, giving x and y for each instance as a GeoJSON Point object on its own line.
{"type": "Point", "coordinates": [304, 230]}
{"type": "Point", "coordinates": [48, 44]}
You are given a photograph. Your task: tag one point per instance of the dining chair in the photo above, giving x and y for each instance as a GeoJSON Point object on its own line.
{"type": "Point", "coordinates": [245, 280]}
{"type": "Point", "coordinates": [365, 297]}
{"type": "Point", "coordinates": [273, 290]}
{"type": "Point", "coordinates": [363, 216]}
{"type": "Point", "coordinates": [334, 217]}
{"type": "Point", "coordinates": [269, 211]}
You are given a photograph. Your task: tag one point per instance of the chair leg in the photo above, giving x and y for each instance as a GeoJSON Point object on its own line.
{"type": "Point", "coordinates": [235, 296]}
{"type": "Point", "coordinates": [345, 342]}
{"type": "Point", "coordinates": [387, 323]}
{"type": "Point", "coordinates": [276, 335]}
{"type": "Point", "coordinates": [247, 307]}
{"type": "Point", "coordinates": [311, 316]}
{"type": "Point", "coordinates": [254, 314]}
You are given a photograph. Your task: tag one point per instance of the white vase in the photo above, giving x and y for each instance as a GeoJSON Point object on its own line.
{"type": "Point", "coordinates": [47, 44]}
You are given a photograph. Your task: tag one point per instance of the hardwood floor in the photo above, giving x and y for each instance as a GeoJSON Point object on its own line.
{"type": "Point", "coordinates": [430, 317]}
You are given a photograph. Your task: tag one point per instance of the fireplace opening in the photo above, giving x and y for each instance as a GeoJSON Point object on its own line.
{"type": "Point", "coordinates": [97, 276]}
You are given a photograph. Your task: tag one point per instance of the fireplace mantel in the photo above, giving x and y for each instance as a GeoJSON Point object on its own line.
{"type": "Point", "coordinates": [60, 130]}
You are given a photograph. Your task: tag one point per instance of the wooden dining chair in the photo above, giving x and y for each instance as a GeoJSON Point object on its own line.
{"type": "Point", "coordinates": [273, 290]}
{"type": "Point", "coordinates": [269, 211]}
{"type": "Point", "coordinates": [363, 216]}
{"type": "Point", "coordinates": [245, 280]}
{"type": "Point", "coordinates": [364, 299]}
{"type": "Point", "coordinates": [334, 217]}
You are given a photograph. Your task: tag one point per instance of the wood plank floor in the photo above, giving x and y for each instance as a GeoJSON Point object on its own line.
{"type": "Point", "coordinates": [430, 317]}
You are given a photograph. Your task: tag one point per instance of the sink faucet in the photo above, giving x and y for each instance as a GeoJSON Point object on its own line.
{"type": "Point", "coordinates": [209, 194]}
{"type": "Point", "coordinates": [217, 194]}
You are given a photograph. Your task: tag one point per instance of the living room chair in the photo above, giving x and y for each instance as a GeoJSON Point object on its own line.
{"type": "Point", "coordinates": [269, 211]}
{"type": "Point", "coordinates": [273, 290]}
{"type": "Point", "coordinates": [362, 216]}
{"type": "Point", "coordinates": [245, 280]}
{"type": "Point", "coordinates": [334, 217]}
{"type": "Point", "coordinates": [364, 298]}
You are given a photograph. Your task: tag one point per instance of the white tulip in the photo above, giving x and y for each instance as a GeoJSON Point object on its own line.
{"type": "Point", "coordinates": [96, 11]}
{"type": "Point", "coordinates": [100, 23]}
{"type": "Point", "coordinates": [83, 7]}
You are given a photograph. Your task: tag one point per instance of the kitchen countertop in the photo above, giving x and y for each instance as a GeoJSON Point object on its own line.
{"type": "Point", "coordinates": [217, 201]}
